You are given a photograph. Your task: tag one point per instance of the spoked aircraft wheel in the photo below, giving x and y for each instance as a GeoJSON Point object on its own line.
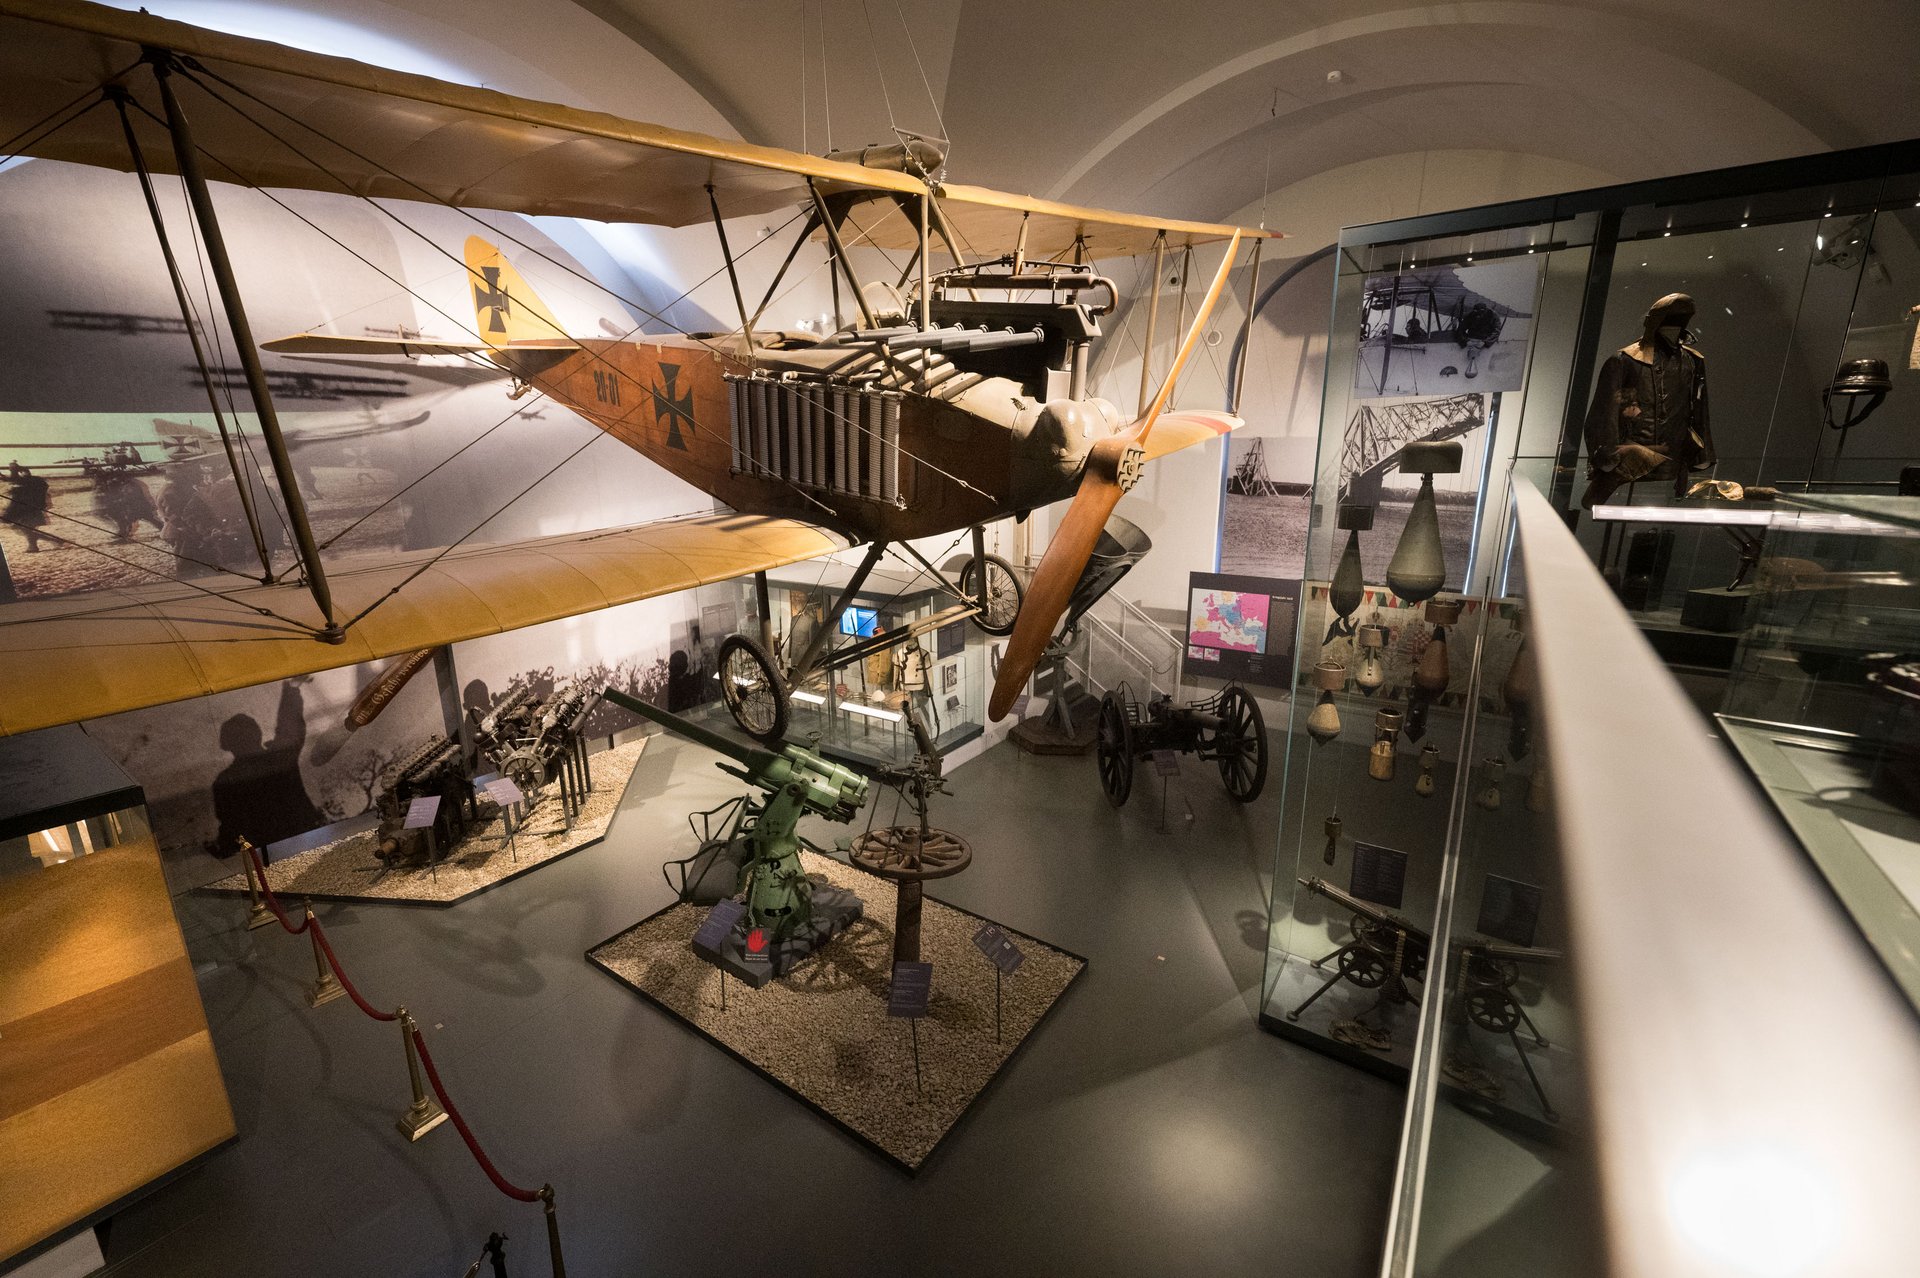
{"type": "Point", "coordinates": [1113, 750]}
{"type": "Point", "coordinates": [1241, 745]}
{"type": "Point", "coordinates": [755, 694]}
{"type": "Point", "coordinates": [1004, 593]}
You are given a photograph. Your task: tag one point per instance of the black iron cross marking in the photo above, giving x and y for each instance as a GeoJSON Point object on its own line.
{"type": "Point", "coordinates": [672, 409]}
{"type": "Point", "coordinates": [492, 300]}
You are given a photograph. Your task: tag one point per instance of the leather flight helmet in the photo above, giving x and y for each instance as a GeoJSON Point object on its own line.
{"type": "Point", "coordinates": [1675, 310]}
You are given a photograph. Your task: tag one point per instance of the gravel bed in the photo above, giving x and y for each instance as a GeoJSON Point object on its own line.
{"type": "Point", "coordinates": [348, 869]}
{"type": "Point", "coordinates": [823, 1029]}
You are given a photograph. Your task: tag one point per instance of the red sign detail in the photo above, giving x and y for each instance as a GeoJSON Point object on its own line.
{"type": "Point", "coordinates": [757, 940]}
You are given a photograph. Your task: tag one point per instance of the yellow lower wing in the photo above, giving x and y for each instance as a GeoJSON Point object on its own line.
{"type": "Point", "coordinates": [83, 656]}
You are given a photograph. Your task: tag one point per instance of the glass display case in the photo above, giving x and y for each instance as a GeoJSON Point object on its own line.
{"type": "Point", "coordinates": [1532, 343]}
{"type": "Point", "coordinates": [1823, 703]}
{"type": "Point", "coordinates": [855, 708]}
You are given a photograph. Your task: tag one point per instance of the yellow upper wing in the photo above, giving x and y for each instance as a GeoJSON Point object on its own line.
{"type": "Point", "coordinates": [416, 138]}
{"type": "Point", "coordinates": [80, 657]}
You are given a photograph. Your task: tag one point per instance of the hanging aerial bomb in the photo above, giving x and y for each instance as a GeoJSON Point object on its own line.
{"type": "Point", "coordinates": [1419, 565]}
{"type": "Point", "coordinates": [1539, 789]}
{"type": "Point", "coordinates": [1386, 731]}
{"type": "Point", "coordinates": [1323, 723]}
{"type": "Point", "coordinates": [1489, 797]}
{"type": "Point", "coordinates": [1434, 671]}
{"type": "Point", "coordinates": [1332, 830]}
{"type": "Point", "coordinates": [1349, 588]}
{"type": "Point", "coordinates": [1373, 667]}
{"type": "Point", "coordinates": [1429, 757]}
{"type": "Point", "coordinates": [1517, 691]}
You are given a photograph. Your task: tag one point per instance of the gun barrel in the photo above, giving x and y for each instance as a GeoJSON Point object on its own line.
{"type": "Point", "coordinates": [754, 759]}
{"type": "Point", "coordinates": [1347, 901]}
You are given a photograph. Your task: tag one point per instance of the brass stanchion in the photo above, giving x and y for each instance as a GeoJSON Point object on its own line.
{"type": "Point", "coordinates": [259, 915]}
{"type": "Point", "coordinates": [425, 1113]}
{"type": "Point", "coordinates": [553, 1233]}
{"type": "Point", "coordinates": [326, 987]}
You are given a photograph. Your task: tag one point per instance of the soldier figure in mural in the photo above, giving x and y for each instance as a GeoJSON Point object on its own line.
{"type": "Point", "coordinates": [1648, 419]}
{"type": "Point", "coordinates": [27, 503]}
{"type": "Point", "coordinates": [1478, 329]}
{"type": "Point", "coordinates": [205, 523]}
{"type": "Point", "coordinates": [119, 497]}
{"type": "Point", "coordinates": [261, 794]}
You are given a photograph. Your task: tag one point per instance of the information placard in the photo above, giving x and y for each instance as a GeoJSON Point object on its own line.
{"type": "Point", "coordinates": [1509, 910]}
{"type": "Point", "coordinates": [999, 948]}
{"type": "Point", "coordinates": [1166, 763]}
{"type": "Point", "coordinates": [422, 811]}
{"type": "Point", "coordinates": [1379, 874]}
{"type": "Point", "coordinates": [911, 990]}
{"type": "Point", "coordinates": [504, 792]}
{"type": "Point", "coordinates": [719, 925]}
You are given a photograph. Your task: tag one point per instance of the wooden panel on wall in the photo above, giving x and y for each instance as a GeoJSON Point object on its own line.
{"type": "Point", "coordinates": [108, 1078]}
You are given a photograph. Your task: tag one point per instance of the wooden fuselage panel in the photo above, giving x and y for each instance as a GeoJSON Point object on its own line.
{"type": "Point", "coordinates": [668, 400]}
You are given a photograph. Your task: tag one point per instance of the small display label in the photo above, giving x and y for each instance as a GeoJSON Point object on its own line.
{"type": "Point", "coordinates": [911, 990]}
{"type": "Point", "coordinates": [422, 811]}
{"type": "Point", "coordinates": [1379, 874]}
{"type": "Point", "coordinates": [719, 925]}
{"type": "Point", "coordinates": [757, 945]}
{"type": "Point", "coordinates": [504, 792]}
{"type": "Point", "coordinates": [1166, 763]}
{"type": "Point", "coordinates": [999, 948]}
{"type": "Point", "coordinates": [1509, 910]}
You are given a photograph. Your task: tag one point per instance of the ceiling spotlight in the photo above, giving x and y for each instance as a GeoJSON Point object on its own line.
{"type": "Point", "coordinates": [1336, 77]}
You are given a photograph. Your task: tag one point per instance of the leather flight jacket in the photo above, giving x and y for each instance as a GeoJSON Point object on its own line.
{"type": "Point", "coordinates": [1648, 419]}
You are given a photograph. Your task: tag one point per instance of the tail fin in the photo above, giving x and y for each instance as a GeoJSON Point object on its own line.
{"type": "Point", "coordinates": [506, 309]}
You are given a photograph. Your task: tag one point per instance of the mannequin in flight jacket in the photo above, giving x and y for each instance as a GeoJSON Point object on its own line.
{"type": "Point", "coordinates": [1648, 419]}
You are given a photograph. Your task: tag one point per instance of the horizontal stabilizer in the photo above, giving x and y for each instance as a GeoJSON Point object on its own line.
{"type": "Point", "coordinates": [337, 344]}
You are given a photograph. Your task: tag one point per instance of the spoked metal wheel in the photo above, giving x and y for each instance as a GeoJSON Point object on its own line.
{"type": "Point", "coordinates": [1003, 596]}
{"type": "Point", "coordinates": [755, 694]}
{"type": "Point", "coordinates": [1113, 750]}
{"type": "Point", "coordinates": [1240, 746]}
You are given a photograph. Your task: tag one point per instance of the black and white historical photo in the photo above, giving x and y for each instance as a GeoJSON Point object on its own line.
{"type": "Point", "coordinates": [1440, 329]}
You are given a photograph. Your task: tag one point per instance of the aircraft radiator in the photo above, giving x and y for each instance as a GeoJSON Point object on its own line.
{"type": "Point", "coordinates": [817, 436]}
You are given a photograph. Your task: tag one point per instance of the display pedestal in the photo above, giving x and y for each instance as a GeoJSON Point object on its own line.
{"type": "Point", "coordinates": [834, 911]}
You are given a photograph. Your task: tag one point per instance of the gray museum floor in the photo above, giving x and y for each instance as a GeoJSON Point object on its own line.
{"type": "Point", "coordinates": [1148, 1127]}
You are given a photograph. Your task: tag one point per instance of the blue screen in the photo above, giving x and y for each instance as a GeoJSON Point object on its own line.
{"type": "Point", "coordinates": [863, 623]}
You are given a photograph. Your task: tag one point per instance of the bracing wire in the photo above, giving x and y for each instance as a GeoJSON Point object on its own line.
{"type": "Point", "coordinates": [924, 81]}
{"type": "Point", "coordinates": [873, 47]}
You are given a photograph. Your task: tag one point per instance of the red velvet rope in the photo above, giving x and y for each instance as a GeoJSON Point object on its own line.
{"type": "Point", "coordinates": [500, 1182]}
{"type": "Point", "coordinates": [320, 935]}
{"type": "Point", "coordinates": [266, 893]}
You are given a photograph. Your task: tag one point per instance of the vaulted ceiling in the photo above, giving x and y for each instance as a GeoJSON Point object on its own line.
{"type": "Point", "coordinates": [1200, 109]}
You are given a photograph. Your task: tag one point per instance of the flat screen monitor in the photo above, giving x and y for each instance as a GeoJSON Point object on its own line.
{"type": "Point", "coordinates": [862, 623]}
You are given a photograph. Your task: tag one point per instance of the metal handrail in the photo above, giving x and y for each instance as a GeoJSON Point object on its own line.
{"type": "Point", "coordinates": [1752, 1077]}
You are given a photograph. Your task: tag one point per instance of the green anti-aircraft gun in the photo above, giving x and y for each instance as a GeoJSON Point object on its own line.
{"type": "Point", "coordinates": [755, 855]}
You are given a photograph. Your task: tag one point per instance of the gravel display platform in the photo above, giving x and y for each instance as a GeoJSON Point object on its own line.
{"type": "Point", "coordinates": [347, 870]}
{"type": "Point", "coordinates": [822, 1031]}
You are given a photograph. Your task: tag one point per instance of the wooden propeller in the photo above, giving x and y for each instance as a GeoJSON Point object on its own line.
{"type": "Point", "coordinates": [1111, 468]}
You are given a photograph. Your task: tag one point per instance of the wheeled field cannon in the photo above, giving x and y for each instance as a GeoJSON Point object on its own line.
{"type": "Point", "coordinates": [1226, 728]}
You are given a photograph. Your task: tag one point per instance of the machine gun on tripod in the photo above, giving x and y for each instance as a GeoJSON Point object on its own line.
{"type": "Point", "coordinates": [1484, 997]}
{"type": "Point", "coordinates": [1385, 953]}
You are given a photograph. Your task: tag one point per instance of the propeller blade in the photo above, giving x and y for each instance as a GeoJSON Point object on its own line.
{"type": "Point", "coordinates": [1052, 586]}
{"type": "Point", "coordinates": [1112, 466]}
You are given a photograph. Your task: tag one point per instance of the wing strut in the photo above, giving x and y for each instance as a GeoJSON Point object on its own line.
{"type": "Point", "coordinates": [118, 95]}
{"type": "Point", "coordinates": [245, 349]}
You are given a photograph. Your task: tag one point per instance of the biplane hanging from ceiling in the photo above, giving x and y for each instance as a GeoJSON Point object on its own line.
{"type": "Point", "coordinates": [961, 402]}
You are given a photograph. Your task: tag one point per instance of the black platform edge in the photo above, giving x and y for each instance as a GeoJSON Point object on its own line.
{"type": "Point", "coordinates": [346, 898]}
{"type": "Point", "coordinates": [858, 1138]}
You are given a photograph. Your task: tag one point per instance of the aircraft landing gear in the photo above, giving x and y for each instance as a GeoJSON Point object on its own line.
{"type": "Point", "coordinates": [751, 686]}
